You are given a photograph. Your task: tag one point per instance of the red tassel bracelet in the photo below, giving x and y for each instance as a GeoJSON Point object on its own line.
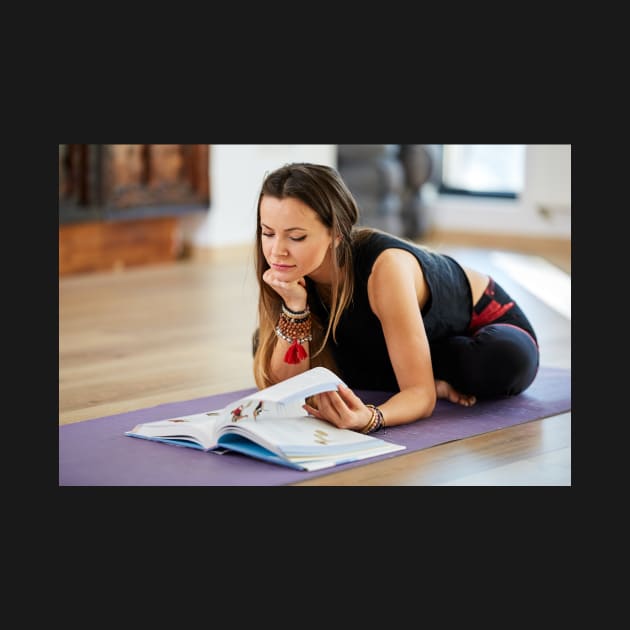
{"type": "Point", "coordinates": [295, 353]}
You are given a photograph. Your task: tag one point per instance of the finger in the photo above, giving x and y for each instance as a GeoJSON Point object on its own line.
{"type": "Point", "coordinates": [323, 404]}
{"type": "Point", "coordinates": [272, 279]}
{"type": "Point", "coordinates": [336, 403]}
{"type": "Point", "coordinates": [326, 416]}
{"type": "Point", "coordinates": [287, 290]}
{"type": "Point", "coordinates": [311, 411]}
{"type": "Point", "coordinates": [350, 398]}
{"type": "Point", "coordinates": [328, 410]}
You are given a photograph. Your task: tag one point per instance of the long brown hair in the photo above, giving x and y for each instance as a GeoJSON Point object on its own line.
{"type": "Point", "coordinates": [322, 189]}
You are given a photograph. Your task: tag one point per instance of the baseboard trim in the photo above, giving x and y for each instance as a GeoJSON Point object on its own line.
{"type": "Point", "coordinates": [494, 240]}
{"type": "Point", "coordinates": [222, 253]}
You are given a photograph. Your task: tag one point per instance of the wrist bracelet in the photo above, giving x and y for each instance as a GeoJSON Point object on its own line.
{"type": "Point", "coordinates": [295, 329]}
{"type": "Point", "coordinates": [372, 422]}
{"type": "Point", "coordinates": [375, 422]}
{"type": "Point", "coordinates": [295, 314]}
{"type": "Point", "coordinates": [368, 427]}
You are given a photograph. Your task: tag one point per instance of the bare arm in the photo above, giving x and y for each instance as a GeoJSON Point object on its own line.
{"type": "Point", "coordinates": [394, 289]}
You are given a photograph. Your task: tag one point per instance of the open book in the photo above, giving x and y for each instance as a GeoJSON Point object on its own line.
{"type": "Point", "coordinates": [270, 424]}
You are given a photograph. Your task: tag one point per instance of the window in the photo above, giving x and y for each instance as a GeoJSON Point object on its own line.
{"type": "Point", "coordinates": [486, 170]}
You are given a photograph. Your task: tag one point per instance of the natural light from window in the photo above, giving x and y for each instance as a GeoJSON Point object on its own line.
{"type": "Point", "coordinates": [484, 168]}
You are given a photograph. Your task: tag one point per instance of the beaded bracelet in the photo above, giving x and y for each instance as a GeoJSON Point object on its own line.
{"type": "Point", "coordinates": [369, 427]}
{"type": "Point", "coordinates": [375, 422]}
{"type": "Point", "coordinates": [295, 314]}
{"type": "Point", "coordinates": [295, 328]}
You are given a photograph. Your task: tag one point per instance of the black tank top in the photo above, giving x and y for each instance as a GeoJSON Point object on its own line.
{"type": "Point", "coordinates": [360, 351]}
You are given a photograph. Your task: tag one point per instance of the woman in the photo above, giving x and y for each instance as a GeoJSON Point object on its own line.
{"type": "Point", "coordinates": [381, 312]}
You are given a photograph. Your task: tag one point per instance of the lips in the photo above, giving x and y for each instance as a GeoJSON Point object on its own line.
{"type": "Point", "coordinates": [279, 267]}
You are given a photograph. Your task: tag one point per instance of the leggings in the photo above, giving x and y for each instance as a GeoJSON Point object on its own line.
{"type": "Point", "coordinates": [499, 355]}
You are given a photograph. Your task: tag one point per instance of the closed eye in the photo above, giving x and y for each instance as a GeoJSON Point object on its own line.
{"type": "Point", "coordinates": [293, 238]}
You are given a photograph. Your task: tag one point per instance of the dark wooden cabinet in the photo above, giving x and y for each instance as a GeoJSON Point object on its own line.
{"type": "Point", "coordinates": [119, 204]}
{"type": "Point", "coordinates": [128, 181]}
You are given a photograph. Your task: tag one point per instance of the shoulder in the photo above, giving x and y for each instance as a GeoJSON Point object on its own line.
{"type": "Point", "coordinates": [394, 266]}
{"type": "Point", "coordinates": [376, 249]}
{"type": "Point", "coordinates": [396, 284]}
{"type": "Point", "coordinates": [369, 243]}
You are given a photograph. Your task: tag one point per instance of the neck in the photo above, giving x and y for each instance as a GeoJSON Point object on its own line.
{"type": "Point", "coordinates": [323, 275]}
{"type": "Point", "coordinates": [324, 291]}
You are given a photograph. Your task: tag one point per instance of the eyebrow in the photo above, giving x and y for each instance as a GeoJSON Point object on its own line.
{"type": "Point", "coordinates": [287, 230]}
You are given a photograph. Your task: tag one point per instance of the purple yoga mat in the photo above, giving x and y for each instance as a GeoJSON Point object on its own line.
{"type": "Point", "coordinates": [97, 453]}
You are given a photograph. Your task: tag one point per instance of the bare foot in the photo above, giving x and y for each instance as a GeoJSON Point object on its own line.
{"type": "Point", "coordinates": [446, 390]}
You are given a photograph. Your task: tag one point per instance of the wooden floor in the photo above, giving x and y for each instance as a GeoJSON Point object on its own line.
{"type": "Point", "coordinates": [136, 338]}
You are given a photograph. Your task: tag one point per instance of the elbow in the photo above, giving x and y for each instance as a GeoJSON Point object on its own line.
{"type": "Point", "coordinates": [427, 401]}
{"type": "Point", "coordinates": [429, 407]}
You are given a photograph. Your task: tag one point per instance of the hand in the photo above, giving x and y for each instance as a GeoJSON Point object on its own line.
{"type": "Point", "coordinates": [342, 408]}
{"type": "Point", "coordinates": [293, 293]}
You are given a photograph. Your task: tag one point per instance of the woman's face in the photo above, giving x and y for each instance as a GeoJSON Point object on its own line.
{"type": "Point", "coordinates": [294, 241]}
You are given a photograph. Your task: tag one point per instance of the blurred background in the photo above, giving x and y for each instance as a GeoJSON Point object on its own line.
{"type": "Point", "coordinates": [124, 205]}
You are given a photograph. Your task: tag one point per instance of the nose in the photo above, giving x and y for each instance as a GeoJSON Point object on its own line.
{"type": "Point", "coordinates": [278, 247]}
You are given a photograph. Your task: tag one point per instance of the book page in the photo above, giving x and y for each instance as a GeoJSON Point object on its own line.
{"type": "Point", "coordinates": [301, 436]}
{"type": "Point", "coordinates": [300, 387]}
{"type": "Point", "coordinates": [306, 442]}
{"type": "Point", "coordinates": [200, 428]}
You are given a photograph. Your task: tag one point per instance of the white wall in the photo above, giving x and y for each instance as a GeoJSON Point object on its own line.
{"type": "Point", "coordinates": [236, 175]}
{"type": "Point", "coordinates": [237, 172]}
{"type": "Point", "coordinates": [547, 185]}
